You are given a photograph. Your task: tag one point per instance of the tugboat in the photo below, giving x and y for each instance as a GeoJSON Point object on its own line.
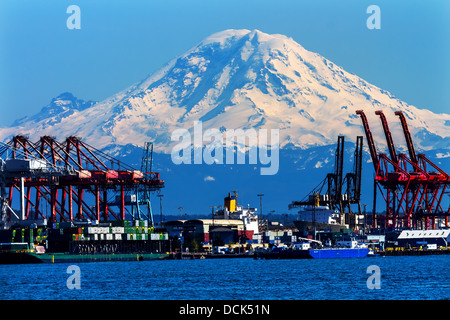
{"type": "Point", "coordinates": [315, 250]}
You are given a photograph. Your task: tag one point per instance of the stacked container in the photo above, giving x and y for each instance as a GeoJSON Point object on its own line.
{"type": "Point", "coordinates": [113, 230]}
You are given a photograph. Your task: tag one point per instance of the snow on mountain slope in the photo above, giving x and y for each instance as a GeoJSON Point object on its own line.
{"type": "Point", "coordinates": [241, 79]}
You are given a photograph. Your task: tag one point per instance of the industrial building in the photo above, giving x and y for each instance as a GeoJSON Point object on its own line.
{"type": "Point", "coordinates": [207, 230]}
{"type": "Point", "coordinates": [424, 238]}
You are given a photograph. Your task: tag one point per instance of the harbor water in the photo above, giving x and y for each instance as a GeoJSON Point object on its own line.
{"type": "Point", "coordinates": [401, 278]}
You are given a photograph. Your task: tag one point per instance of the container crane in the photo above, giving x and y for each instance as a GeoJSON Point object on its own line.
{"type": "Point", "coordinates": [68, 177]}
{"type": "Point", "coordinates": [413, 187]}
{"type": "Point", "coordinates": [334, 197]}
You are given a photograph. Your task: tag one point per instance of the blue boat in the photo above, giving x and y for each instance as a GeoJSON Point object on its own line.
{"type": "Point", "coordinates": [304, 251]}
{"type": "Point", "coordinates": [338, 253]}
{"type": "Point", "coordinates": [314, 253]}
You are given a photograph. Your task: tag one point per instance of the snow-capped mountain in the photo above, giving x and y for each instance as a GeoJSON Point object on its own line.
{"type": "Point", "coordinates": [60, 107]}
{"type": "Point", "coordinates": [238, 79]}
{"type": "Point", "coordinates": [241, 79]}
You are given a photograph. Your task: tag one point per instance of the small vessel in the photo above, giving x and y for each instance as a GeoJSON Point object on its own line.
{"type": "Point", "coordinates": [373, 254]}
{"type": "Point", "coordinates": [320, 218]}
{"type": "Point", "coordinates": [304, 250]}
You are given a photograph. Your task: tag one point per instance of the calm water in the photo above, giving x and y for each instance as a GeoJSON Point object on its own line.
{"type": "Point", "coordinates": [401, 278]}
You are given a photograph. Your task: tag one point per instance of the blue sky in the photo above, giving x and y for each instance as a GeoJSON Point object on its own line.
{"type": "Point", "coordinates": [121, 42]}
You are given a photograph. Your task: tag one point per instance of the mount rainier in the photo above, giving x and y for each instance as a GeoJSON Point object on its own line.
{"type": "Point", "coordinates": [241, 79]}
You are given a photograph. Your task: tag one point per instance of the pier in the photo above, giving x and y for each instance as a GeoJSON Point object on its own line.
{"type": "Point", "coordinates": [414, 252]}
{"type": "Point", "coordinates": [205, 255]}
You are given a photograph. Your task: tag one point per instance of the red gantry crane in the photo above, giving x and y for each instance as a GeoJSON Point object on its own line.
{"type": "Point", "coordinates": [413, 187]}
{"type": "Point", "coordinates": [69, 181]}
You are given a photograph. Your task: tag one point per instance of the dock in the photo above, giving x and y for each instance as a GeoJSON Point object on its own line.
{"type": "Point", "coordinates": [414, 252]}
{"type": "Point", "coordinates": [204, 255]}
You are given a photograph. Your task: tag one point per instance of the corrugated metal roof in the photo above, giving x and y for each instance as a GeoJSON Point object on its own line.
{"type": "Point", "coordinates": [414, 234]}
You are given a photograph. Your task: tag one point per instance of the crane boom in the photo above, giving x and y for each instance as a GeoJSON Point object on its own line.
{"type": "Point", "coordinates": [409, 142]}
{"type": "Point", "coordinates": [358, 167]}
{"type": "Point", "coordinates": [369, 137]}
{"type": "Point", "coordinates": [387, 133]}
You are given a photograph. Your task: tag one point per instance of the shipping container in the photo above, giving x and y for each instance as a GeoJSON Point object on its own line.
{"type": "Point", "coordinates": [104, 229]}
{"type": "Point", "coordinates": [117, 229]}
{"type": "Point", "coordinates": [84, 174]}
{"type": "Point", "coordinates": [91, 230]}
{"type": "Point", "coordinates": [117, 223]}
{"type": "Point", "coordinates": [154, 236]}
{"type": "Point", "coordinates": [25, 165]}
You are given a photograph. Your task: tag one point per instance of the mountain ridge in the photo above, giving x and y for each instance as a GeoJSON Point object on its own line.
{"type": "Point", "coordinates": [239, 79]}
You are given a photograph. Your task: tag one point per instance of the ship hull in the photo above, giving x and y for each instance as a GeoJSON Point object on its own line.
{"type": "Point", "coordinates": [339, 253]}
{"type": "Point", "coordinates": [315, 254]}
{"type": "Point", "coordinates": [28, 257]}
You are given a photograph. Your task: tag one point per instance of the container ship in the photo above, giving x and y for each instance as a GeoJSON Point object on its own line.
{"type": "Point", "coordinates": [66, 201]}
{"type": "Point", "coordinates": [68, 242]}
{"type": "Point", "coordinates": [319, 218]}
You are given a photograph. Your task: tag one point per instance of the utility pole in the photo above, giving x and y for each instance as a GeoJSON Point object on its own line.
{"type": "Point", "coordinates": [160, 209]}
{"type": "Point", "coordinates": [365, 217]}
{"type": "Point", "coordinates": [212, 213]}
{"type": "Point", "coordinates": [315, 204]}
{"type": "Point", "coordinates": [260, 207]}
